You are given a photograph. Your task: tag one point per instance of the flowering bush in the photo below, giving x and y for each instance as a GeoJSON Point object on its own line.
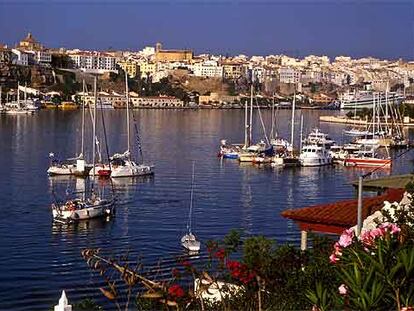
{"type": "Point", "coordinates": [375, 270]}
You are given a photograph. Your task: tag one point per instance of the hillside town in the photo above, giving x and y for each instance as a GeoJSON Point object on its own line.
{"type": "Point", "coordinates": [179, 78]}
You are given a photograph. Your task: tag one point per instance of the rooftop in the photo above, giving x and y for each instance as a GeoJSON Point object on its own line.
{"type": "Point", "coordinates": [338, 216]}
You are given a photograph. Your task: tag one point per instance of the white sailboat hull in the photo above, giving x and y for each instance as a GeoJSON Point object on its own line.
{"type": "Point", "coordinates": [131, 169]}
{"type": "Point", "coordinates": [189, 242]}
{"type": "Point", "coordinates": [99, 208]}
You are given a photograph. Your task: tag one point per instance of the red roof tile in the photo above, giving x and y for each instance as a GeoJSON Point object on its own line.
{"type": "Point", "coordinates": [335, 217]}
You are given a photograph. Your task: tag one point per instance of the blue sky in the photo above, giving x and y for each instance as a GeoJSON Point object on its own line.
{"type": "Point", "coordinates": [297, 28]}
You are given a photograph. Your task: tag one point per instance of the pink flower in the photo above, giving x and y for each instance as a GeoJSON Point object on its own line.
{"type": "Point", "coordinates": [377, 232]}
{"type": "Point", "coordinates": [333, 259]}
{"type": "Point", "coordinates": [346, 238]}
{"type": "Point", "coordinates": [342, 289]}
{"type": "Point", "coordinates": [392, 228]}
{"type": "Point", "coordinates": [367, 239]}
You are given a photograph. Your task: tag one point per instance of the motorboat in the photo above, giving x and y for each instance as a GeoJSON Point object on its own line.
{"type": "Point", "coordinates": [338, 154]}
{"type": "Point", "coordinates": [368, 158]}
{"type": "Point", "coordinates": [314, 155]}
{"type": "Point", "coordinates": [319, 138]}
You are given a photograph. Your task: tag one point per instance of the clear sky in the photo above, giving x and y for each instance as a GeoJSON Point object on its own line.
{"type": "Point", "coordinates": [358, 28]}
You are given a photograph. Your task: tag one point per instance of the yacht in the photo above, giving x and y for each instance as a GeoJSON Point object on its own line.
{"type": "Point", "coordinates": [319, 138]}
{"type": "Point", "coordinates": [314, 155]}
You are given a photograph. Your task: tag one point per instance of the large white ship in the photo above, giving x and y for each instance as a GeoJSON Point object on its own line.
{"type": "Point", "coordinates": [365, 99]}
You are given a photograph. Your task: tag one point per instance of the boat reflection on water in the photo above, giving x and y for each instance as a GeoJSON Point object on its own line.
{"type": "Point", "coordinates": [81, 227]}
{"type": "Point", "coordinates": [128, 181]}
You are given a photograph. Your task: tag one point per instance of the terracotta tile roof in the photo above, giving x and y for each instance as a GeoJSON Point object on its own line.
{"type": "Point", "coordinates": [342, 214]}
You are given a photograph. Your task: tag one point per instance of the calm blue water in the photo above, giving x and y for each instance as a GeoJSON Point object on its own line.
{"type": "Point", "coordinates": [39, 259]}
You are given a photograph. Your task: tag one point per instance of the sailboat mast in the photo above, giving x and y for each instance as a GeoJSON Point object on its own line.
{"type": "Point", "coordinates": [301, 131]}
{"type": "Point", "coordinates": [273, 119]}
{"type": "Point", "coordinates": [83, 120]}
{"type": "Point", "coordinates": [246, 134]}
{"type": "Point", "coordinates": [373, 115]}
{"type": "Point", "coordinates": [25, 94]}
{"type": "Point", "coordinates": [94, 128]}
{"type": "Point", "coordinates": [191, 201]}
{"type": "Point", "coordinates": [292, 128]}
{"type": "Point", "coordinates": [251, 114]}
{"type": "Point", "coordinates": [127, 109]}
{"type": "Point", "coordinates": [18, 94]}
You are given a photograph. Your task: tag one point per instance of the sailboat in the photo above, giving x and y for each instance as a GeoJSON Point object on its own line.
{"type": "Point", "coordinates": [16, 107]}
{"type": "Point", "coordinates": [122, 164]}
{"type": "Point", "coordinates": [80, 168]}
{"type": "Point", "coordinates": [253, 152]}
{"type": "Point", "coordinates": [189, 240]}
{"type": "Point", "coordinates": [85, 208]}
{"type": "Point", "coordinates": [290, 159]}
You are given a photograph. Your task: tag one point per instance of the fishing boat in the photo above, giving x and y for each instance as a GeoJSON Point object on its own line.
{"type": "Point", "coordinates": [85, 208]}
{"type": "Point", "coordinates": [189, 240]}
{"type": "Point", "coordinates": [315, 155]}
{"type": "Point", "coordinates": [123, 164]}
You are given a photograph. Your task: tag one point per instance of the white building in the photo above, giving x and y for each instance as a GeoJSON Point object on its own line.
{"type": "Point", "coordinates": [157, 102]}
{"type": "Point", "coordinates": [148, 51]}
{"type": "Point", "coordinates": [42, 57]}
{"type": "Point", "coordinates": [20, 57]}
{"type": "Point", "coordinates": [208, 69]}
{"type": "Point", "coordinates": [289, 75]}
{"type": "Point", "coordinates": [101, 62]}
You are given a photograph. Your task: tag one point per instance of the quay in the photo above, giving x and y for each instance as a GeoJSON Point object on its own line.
{"type": "Point", "coordinates": [345, 120]}
{"type": "Point", "coordinates": [388, 182]}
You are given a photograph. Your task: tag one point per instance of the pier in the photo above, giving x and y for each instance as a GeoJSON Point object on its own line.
{"type": "Point", "coordinates": [388, 182]}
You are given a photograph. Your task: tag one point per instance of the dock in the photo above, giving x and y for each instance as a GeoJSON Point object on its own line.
{"type": "Point", "coordinates": [345, 120]}
{"type": "Point", "coordinates": [388, 182]}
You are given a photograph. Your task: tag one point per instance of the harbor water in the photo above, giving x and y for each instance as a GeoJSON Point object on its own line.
{"type": "Point", "coordinates": [38, 259]}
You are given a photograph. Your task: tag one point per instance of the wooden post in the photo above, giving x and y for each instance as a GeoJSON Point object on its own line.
{"type": "Point", "coordinates": [303, 240]}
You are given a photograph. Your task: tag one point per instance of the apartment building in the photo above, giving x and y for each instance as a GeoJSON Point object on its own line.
{"type": "Point", "coordinates": [94, 61]}
{"type": "Point", "coordinates": [208, 69]}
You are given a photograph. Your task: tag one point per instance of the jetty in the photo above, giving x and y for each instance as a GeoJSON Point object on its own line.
{"type": "Point", "coordinates": [388, 182]}
{"type": "Point", "coordinates": [345, 120]}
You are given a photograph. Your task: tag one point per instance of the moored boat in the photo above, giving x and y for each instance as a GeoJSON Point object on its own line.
{"type": "Point", "coordinates": [367, 158]}
{"type": "Point", "coordinates": [314, 155]}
